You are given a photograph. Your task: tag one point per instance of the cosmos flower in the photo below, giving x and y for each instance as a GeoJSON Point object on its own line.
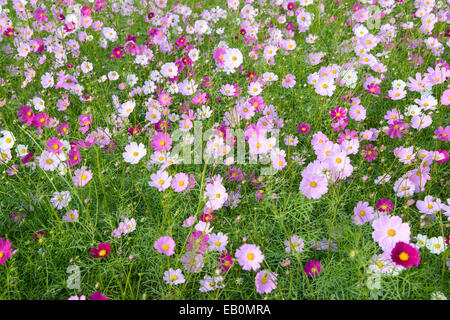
{"type": "Point", "coordinates": [249, 256]}
{"type": "Point", "coordinates": [388, 230]}
{"type": "Point", "coordinates": [265, 281]}
{"type": "Point", "coordinates": [5, 250]}
{"type": "Point", "coordinates": [174, 277]}
{"type": "Point", "coordinates": [312, 268]}
{"type": "Point", "coordinates": [165, 245]}
{"type": "Point", "coordinates": [102, 250]}
{"type": "Point", "coordinates": [405, 255]}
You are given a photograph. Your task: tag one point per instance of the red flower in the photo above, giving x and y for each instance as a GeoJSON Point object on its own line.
{"type": "Point", "coordinates": [102, 250]}
{"type": "Point", "coordinates": [405, 255]}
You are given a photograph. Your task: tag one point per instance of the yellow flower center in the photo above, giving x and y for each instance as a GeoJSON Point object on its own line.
{"type": "Point", "coordinates": [391, 232]}
{"type": "Point", "coordinates": [404, 256]}
{"type": "Point", "coordinates": [250, 256]}
{"type": "Point", "coordinates": [102, 253]}
{"type": "Point", "coordinates": [165, 247]}
{"type": "Point", "coordinates": [313, 184]}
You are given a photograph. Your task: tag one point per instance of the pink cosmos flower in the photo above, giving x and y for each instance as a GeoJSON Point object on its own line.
{"type": "Point", "coordinates": [226, 261]}
{"type": "Point", "coordinates": [369, 152]}
{"type": "Point", "coordinates": [445, 98]}
{"type": "Point", "coordinates": [63, 129]}
{"type": "Point", "coordinates": [84, 122]}
{"type": "Point", "coordinates": [397, 129]}
{"type": "Point", "coordinates": [48, 161]}
{"type": "Point", "coordinates": [218, 56]}
{"type": "Point", "coordinates": [443, 134]}
{"type": "Point", "coordinates": [313, 186]}
{"type": "Point", "coordinates": [40, 120]}
{"type": "Point", "coordinates": [161, 142]}
{"type": "Point", "coordinates": [338, 113]}
{"type": "Point", "coordinates": [388, 230]}
{"type": "Point", "coordinates": [174, 277]}
{"type": "Point", "coordinates": [102, 250]}
{"type": "Point", "coordinates": [99, 5]}
{"type": "Point", "coordinates": [265, 281]}
{"type": "Point", "coordinates": [303, 128]}
{"type": "Point", "coordinates": [81, 176]}
{"type": "Point", "coordinates": [288, 81]}
{"type": "Point", "coordinates": [160, 180]}
{"type": "Point", "coordinates": [249, 256]}
{"type": "Point", "coordinates": [385, 205]}
{"type": "Point", "coordinates": [373, 88]}
{"type": "Point", "coordinates": [5, 250]}
{"type": "Point", "coordinates": [312, 268]}
{"type": "Point", "coordinates": [362, 213]}
{"type": "Point", "coordinates": [180, 182]}
{"type": "Point", "coordinates": [405, 255]}
{"type": "Point", "coordinates": [54, 145]}
{"type": "Point", "coordinates": [86, 11]}
{"type": "Point", "coordinates": [26, 115]}
{"type": "Point", "coordinates": [165, 245]}
{"type": "Point", "coordinates": [98, 296]}
{"type": "Point", "coordinates": [40, 15]}
{"type": "Point", "coordinates": [188, 222]}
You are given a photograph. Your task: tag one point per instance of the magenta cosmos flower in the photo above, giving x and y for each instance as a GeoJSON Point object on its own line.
{"type": "Point", "coordinates": [226, 261]}
{"type": "Point", "coordinates": [249, 256]}
{"type": "Point", "coordinates": [54, 145]}
{"type": "Point", "coordinates": [102, 250]}
{"type": "Point", "coordinates": [303, 128]}
{"type": "Point", "coordinates": [389, 230]}
{"type": "Point", "coordinates": [397, 129]}
{"type": "Point", "coordinates": [385, 205]}
{"type": "Point", "coordinates": [443, 134]}
{"type": "Point", "coordinates": [26, 115]}
{"type": "Point", "coordinates": [5, 250]}
{"type": "Point", "coordinates": [265, 281]}
{"type": "Point", "coordinates": [165, 245]}
{"type": "Point", "coordinates": [338, 113]}
{"type": "Point", "coordinates": [312, 268]}
{"type": "Point", "coordinates": [161, 142]}
{"type": "Point", "coordinates": [98, 296]}
{"type": "Point", "coordinates": [405, 255]}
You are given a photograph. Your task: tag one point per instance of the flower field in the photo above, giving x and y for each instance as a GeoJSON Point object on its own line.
{"type": "Point", "coordinates": [224, 149]}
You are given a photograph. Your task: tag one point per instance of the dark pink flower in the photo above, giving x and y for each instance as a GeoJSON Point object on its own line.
{"type": "Point", "coordinates": [385, 205]}
{"type": "Point", "coordinates": [405, 255]}
{"type": "Point", "coordinates": [312, 268]}
{"type": "Point", "coordinates": [102, 250]}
